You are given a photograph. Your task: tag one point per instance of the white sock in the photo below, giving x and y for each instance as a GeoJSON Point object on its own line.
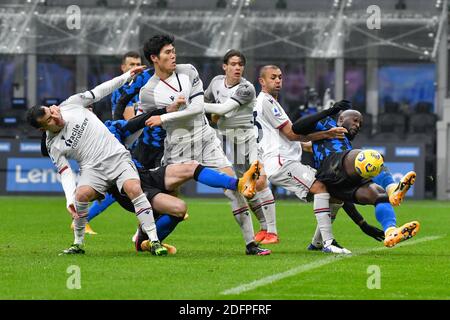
{"type": "Point", "coordinates": [241, 214]}
{"type": "Point", "coordinates": [255, 206]}
{"type": "Point", "coordinates": [322, 212]}
{"type": "Point", "coordinates": [80, 223]}
{"type": "Point", "coordinates": [317, 238]}
{"type": "Point", "coordinates": [268, 206]}
{"type": "Point", "coordinates": [144, 213]}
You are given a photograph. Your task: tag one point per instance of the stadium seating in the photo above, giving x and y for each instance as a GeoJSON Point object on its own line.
{"type": "Point", "coordinates": [392, 120]}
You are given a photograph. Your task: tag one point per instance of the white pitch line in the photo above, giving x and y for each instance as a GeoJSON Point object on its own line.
{"type": "Point", "coordinates": [314, 265]}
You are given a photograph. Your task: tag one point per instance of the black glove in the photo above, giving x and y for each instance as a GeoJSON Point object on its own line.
{"type": "Point", "coordinates": [341, 106]}
{"type": "Point", "coordinates": [372, 231]}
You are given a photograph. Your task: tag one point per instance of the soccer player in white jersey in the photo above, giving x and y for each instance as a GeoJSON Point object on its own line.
{"type": "Point", "coordinates": [232, 97]}
{"type": "Point", "coordinates": [189, 136]}
{"type": "Point", "coordinates": [280, 152]}
{"type": "Point", "coordinates": [74, 132]}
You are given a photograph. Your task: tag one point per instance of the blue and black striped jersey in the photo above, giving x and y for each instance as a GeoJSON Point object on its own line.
{"type": "Point", "coordinates": [323, 148]}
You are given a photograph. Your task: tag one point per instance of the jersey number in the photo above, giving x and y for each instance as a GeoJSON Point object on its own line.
{"type": "Point", "coordinates": [259, 131]}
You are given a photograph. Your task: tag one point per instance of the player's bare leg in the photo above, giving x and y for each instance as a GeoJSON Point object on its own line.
{"type": "Point", "coordinates": [178, 174]}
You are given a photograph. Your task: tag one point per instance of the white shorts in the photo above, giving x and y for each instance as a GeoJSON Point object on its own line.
{"type": "Point", "coordinates": [115, 170]}
{"type": "Point", "coordinates": [241, 149]}
{"type": "Point", "coordinates": [207, 151]}
{"type": "Point", "coordinates": [295, 177]}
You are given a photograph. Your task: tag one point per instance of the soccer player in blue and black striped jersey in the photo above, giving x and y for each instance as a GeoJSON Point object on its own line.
{"type": "Point", "coordinates": [334, 161]}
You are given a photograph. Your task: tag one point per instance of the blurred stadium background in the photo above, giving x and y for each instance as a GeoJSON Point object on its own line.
{"type": "Point", "coordinates": [396, 75]}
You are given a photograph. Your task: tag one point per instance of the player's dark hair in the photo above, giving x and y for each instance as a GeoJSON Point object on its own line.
{"type": "Point", "coordinates": [130, 54]}
{"type": "Point", "coordinates": [234, 53]}
{"type": "Point", "coordinates": [154, 45]}
{"type": "Point", "coordinates": [33, 114]}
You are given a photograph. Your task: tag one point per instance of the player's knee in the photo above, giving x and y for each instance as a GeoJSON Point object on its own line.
{"type": "Point", "coordinates": [261, 183]}
{"type": "Point", "coordinates": [179, 208]}
{"type": "Point", "coordinates": [133, 189]}
{"type": "Point", "coordinates": [84, 194]}
{"type": "Point", "coordinates": [318, 187]}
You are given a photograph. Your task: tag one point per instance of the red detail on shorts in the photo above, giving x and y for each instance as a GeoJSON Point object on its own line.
{"type": "Point", "coordinates": [63, 169]}
{"type": "Point", "coordinates": [281, 126]}
{"type": "Point", "coordinates": [299, 181]}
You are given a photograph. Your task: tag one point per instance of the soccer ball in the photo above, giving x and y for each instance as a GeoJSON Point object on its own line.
{"type": "Point", "coordinates": [368, 163]}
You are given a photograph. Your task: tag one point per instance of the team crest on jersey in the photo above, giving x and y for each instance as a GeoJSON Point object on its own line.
{"type": "Point", "coordinates": [172, 98]}
{"type": "Point", "coordinates": [196, 79]}
{"type": "Point", "coordinates": [243, 91]}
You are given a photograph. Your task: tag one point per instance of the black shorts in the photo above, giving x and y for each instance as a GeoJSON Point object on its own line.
{"type": "Point", "coordinates": [152, 183]}
{"type": "Point", "coordinates": [338, 183]}
{"type": "Point", "coordinates": [150, 157]}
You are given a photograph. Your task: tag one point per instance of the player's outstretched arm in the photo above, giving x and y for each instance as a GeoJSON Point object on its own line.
{"type": "Point", "coordinates": [221, 108]}
{"type": "Point", "coordinates": [357, 218]}
{"type": "Point", "coordinates": [129, 94]}
{"type": "Point", "coordinates": [333, 133]}
{"type": "Point", "coordinates": [99, 92]}
{"type": "Point", "coordinates": [307, 125]}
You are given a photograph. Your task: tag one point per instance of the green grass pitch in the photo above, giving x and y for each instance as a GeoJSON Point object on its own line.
{"type": "Point", "coordinates": [211, 264]}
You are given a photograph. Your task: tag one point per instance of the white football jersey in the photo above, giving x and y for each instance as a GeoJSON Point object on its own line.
{"type": "Point", "coordinates": [158, 94]}
{"type": "Point", "coordinates": [273, 147]}
{"type": "Point", "coordinates": [84, 137]}
{"type": "Point", "coordinates": [243, 93]}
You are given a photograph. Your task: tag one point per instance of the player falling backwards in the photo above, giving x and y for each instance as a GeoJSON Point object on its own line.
{"type": "Point", "coordinates": [130, 60]}
{"type": "Point", "coordinates": [149, 148]}
{"type": "Point", "coordinates": [73, 132]}
{"type": "Point", "coordinates": [159, 184]}
{"type": "Point", "coordinates": [335, 160]}
{"type": "Point", "coordinates": [189, 136]}
{"type": "Point", "coordinates": [232, 97]}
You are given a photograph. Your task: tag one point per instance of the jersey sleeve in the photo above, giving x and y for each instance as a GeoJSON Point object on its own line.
{"type": "Point", "coordinates": [244, 94]}
{"type": "Point", "coordinates": [275, 115]}
{"type": "Point", "coordinates": [99, 92]}
{"type": "Point", "coordinates": [209, 96]}
{"type": "Point", "coordinates": [196, 83]}
{"type": "Point", "coordinates": [65, 172]}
